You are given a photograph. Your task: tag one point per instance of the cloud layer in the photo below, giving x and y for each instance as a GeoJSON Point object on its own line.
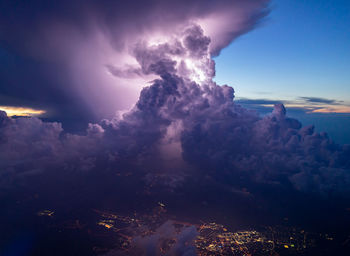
{"type": "Point", "coordinates": [197, 124]}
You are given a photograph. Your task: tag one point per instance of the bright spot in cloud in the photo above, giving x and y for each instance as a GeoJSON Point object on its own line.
{"type": "Point", "coordinates": [197, 73]}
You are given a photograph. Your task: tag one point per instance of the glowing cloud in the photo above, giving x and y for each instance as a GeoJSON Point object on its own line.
{"type": "Point", "coordinates": [97, 39]}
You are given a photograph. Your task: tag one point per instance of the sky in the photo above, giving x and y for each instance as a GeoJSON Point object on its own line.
{"type": "Point", "coordinates": [300, 55]}
{"type": "Point", "coordinates": [302, 49]}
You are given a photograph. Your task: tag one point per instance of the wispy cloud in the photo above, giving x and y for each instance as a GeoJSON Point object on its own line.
{"type": "Point", "coordinates": [320, 100]}
{"type": "Point", "coordinates": [307, 104]}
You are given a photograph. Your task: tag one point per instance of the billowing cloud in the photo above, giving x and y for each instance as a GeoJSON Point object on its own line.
{"type": "Point", "coordinates": [198, 123]}
{"type": "Point", "coordinates": [78, 56]}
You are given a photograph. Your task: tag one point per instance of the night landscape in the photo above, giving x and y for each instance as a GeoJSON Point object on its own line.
{"type": "Point", "coordinates": [174, 128]}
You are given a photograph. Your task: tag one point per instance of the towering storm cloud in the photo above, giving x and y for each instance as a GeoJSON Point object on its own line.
{"type": "Point", "coordinates": [75, 59]}
{"type": "Point", "coordinates": [183, 125]}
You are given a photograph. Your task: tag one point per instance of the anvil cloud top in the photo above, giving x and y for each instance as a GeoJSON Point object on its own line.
{"type": "Point", "coordinates": [67, 57]}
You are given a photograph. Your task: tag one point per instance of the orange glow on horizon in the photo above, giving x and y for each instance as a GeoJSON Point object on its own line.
{"type": "Point", "coordinates": [333, 109]}
{"type": "Point", "coordinates": [21, 111]}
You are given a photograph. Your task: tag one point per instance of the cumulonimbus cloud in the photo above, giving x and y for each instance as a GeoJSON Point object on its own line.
{"type": "Point", "coordinates": [183, 112]}
{"type": "Point", "coordinates": [81, 52]}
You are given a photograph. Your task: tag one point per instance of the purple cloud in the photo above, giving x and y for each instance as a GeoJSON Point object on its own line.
{"type": "Point", "coordinates": [79, 48]}
{"type": "Point", "coordinates": [189, 117]}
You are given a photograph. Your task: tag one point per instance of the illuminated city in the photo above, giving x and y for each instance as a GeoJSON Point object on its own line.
{"type": "Point", "coordinates": [122, 233]}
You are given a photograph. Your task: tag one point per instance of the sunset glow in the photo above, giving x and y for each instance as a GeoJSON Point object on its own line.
{"type": "Point", "coordinates": [21, 111]}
